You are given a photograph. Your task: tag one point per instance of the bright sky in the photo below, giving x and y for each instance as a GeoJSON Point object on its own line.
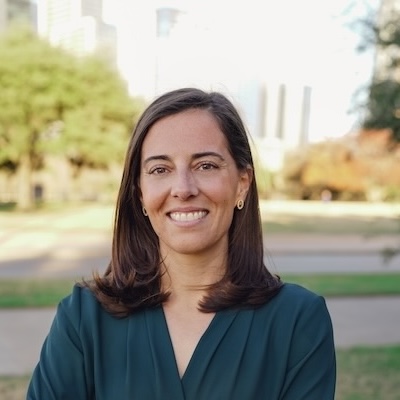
{"type": "Point", "coordinates": [224, 41]}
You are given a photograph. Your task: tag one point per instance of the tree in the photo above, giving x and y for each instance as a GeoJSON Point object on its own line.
{"type": "Point", "coordinates": [382, 32]}
{"type": "Point", "coordinates": [52, 101]}
{"type": "Point", "coordinates": [383, 108]}
{"type": "Point", "coordinates": [383, 104]}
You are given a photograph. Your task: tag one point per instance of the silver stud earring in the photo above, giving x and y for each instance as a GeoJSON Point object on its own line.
{"type": "Point", "coordinates": [240, 204]}
{"type": "Point", "coordinates": [144, 212]}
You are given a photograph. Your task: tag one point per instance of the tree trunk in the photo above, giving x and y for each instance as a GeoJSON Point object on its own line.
{"type": "Point", "coordinates": [24, 195]}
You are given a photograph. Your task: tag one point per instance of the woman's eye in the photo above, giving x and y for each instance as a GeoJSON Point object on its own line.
{"type": "Point", "coordinates": [157, 171]}
{"type": "Point", "coordinates": [207, 166]}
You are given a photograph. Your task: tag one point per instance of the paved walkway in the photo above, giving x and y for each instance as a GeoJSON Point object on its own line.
{"type": "Point", "coordinates": [75, 242]}
{"type": "Point", "coordinates": [77, 254]}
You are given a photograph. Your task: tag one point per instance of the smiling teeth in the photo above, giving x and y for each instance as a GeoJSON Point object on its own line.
{"type": "Point", "coordinates": [190, 216]}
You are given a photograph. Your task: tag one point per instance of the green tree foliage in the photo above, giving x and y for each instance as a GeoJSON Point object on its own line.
{"type": "Point", "coordinates": [383, 100]}
{"type": "Point", "coordinates": [52, 102]}
{"type": "Point", "coordinates": [383, 109]}
{"type": "Point", "coordinates": [383, 104]}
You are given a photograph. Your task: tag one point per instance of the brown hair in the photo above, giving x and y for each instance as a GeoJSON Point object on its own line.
{"type": "Point", "coordinates": [132, 279]}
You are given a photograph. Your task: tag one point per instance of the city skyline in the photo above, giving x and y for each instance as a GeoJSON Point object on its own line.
{"type": "Point", "coordinates": [242, 51]}
{"type": "Point", "coordinates": [218, 50]}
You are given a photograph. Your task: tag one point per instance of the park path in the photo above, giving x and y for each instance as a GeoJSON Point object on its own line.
{"type": "Point", "coordinates": [76, 242]}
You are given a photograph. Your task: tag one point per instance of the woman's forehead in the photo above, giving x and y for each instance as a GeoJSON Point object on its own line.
{"type": "Point", "coordinates": [195, 129]}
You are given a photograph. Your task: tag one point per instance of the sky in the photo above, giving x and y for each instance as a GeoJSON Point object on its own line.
{"type": "Point", "coordinates": [306, 42]}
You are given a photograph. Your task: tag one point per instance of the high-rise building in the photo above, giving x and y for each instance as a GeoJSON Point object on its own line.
{"type": "Point", "coordinates": [77, 25]}
{"type": "Point", "coordinates": [167, 20]}
{"type": "Point", "coordinates": [277, 113]}
{"type": "Point", "coordinates": [17, 11]}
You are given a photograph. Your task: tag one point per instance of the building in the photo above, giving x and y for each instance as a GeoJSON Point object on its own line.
{"type": "Point", "coordinates": [78, 26]}
{"type": "Point", "coordinates": [277, 112]}
{"type": "Point", "coordinates": [23, 11]}
{"type": "Point", "coordinates": [277, 115]}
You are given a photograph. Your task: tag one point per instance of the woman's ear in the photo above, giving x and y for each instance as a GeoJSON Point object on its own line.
{"type": "Point", "coordinates": [245, 179]}
{"type": "Point", "coordinates": [139, 193]}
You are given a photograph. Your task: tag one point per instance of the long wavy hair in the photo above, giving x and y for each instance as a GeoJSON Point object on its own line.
{"type": "Point", "coordinates": [132, 280]}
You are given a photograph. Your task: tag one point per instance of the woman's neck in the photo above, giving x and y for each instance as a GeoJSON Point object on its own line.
{"type": "Point", "coordinates": [187, 277]}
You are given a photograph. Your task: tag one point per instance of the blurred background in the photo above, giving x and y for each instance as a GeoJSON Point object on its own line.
{"type": "Point", "coordinates": [316, 82]}
{"type": "Point", "coordinates": [318, 85]}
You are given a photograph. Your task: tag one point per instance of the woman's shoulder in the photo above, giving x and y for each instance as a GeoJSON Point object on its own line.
{"type": "Point", "coordinates": [294, 297]}
{"type": "Point", "coordinates": [290, 291]}
{"type": "Point", "coordinates": [80, 295]}
{"type": "Point", "coordinates": [293, 305]}
{"type": "Point", "coordinates": [80, 301]}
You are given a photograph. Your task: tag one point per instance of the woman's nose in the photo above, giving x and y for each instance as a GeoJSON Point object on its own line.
{"type": "Point", "coordinates": [184, 185]}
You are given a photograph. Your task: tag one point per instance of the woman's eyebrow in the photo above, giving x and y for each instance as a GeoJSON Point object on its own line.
{"type": "Point", "coordinates": [155, 158]}
{"type": "Point", "coordinates": [195, 156]}
{"type": "Point", "coordinates": [207, 154]}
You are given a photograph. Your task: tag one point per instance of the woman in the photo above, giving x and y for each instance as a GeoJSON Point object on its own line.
{"type": "Point", "coordinates": [187, 308]}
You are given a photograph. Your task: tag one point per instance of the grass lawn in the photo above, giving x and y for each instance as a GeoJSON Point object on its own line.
{"type": "Point", "coordinates": [47, 293]}
{"type": "Point", "coordinates": [13, 387]}
{"type": "Point", "coordinates": [334, 285]}
{"type": "Point", "coordinates": [33, 293]}
{"type": "Point", "coordinates": [368, 373]}
{"type": "Point", "coordinates": [364, 373]}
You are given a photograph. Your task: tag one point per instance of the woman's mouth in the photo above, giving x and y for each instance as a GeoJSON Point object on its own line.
{"type": "Point", "coordinates": [187, 216]}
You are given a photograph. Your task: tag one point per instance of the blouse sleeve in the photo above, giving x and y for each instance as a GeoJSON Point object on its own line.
{"type": "Point", "coordinates": [311, 371]}
{"type": "Point", "coordinates": [60, 372]}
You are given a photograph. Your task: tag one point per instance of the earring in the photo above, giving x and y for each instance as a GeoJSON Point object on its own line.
{"type": "Point", "coordinates": [240, 204]}
{"type": "Point", "coordinates": [144, 212]}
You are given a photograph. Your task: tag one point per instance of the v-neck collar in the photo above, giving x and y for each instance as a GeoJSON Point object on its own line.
{"type": "Point", "coordinates": [207, 345]}
{"type": "Point", "coordinates": [164, 356]}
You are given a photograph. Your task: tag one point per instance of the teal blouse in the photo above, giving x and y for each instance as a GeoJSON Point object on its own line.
{"type": "Point", "coordinates": [283, 350]}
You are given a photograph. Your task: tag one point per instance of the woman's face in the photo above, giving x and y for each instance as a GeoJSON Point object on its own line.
{"type": "Point", "coordinates": [190, 183]}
